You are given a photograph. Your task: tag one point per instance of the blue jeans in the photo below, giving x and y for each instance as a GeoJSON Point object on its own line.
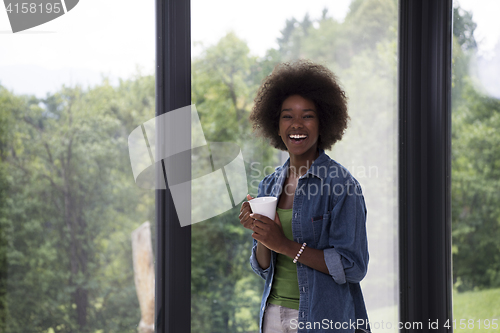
{"type": "Point", "coordinates": [280, 319]}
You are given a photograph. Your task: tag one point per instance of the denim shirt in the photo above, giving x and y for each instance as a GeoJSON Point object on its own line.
{"type": "Point", "coordinates": [329, 214]}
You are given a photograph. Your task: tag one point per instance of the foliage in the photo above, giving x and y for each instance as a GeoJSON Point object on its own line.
{"type": "Point", "coordinates": [70, 208]}
{"type": "Point", "coordinates": [5, 123]}
{"type": "Point", "coordinates": [463, 29]}
{"type": "Point", "coordinates": [475, 162]}
{"type": "Point", "coordinates": [475, 191]}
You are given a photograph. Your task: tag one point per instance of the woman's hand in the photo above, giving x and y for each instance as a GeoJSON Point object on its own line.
{"type": "Point", "coordinates": [245, 212]}
{"type": "Point", "coordinates": [263, 254]}
{"type": "Point", "coordinates": [269, 232]}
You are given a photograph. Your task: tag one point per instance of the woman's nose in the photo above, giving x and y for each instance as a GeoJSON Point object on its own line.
{"type": "Point", "coordinates": [297, 123]}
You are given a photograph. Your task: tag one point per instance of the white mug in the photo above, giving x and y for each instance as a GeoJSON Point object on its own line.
{"type": "Point", "coordinates": [265, 206]}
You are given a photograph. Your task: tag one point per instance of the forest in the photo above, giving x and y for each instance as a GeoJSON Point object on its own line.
{"type": "Point", "coordinates": [68, 201]}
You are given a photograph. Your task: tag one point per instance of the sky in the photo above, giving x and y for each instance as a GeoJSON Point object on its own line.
{"type": "Point", "coordinates": [488, 30]}
{"type": "Point", "coordinates": [115, 38]}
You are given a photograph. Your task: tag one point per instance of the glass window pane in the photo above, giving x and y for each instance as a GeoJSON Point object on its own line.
{"type": "Point", "coordinates": [231, 55]}
{"type": "Point", "coordinates": [475, 165]}
{"type": "Point", "coordinates": [71, 92]}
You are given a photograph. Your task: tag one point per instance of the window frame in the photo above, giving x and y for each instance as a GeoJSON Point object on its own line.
{"type": "Point", "coordinates": [173, 242]}
{"type": "Point", "coordinates": [425, 42]}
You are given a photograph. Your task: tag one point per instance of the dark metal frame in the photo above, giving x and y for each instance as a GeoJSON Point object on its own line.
{"type": "Point", "coordinates": [173, 242]}
{"type": "Point", "coordinates": [424, 164]}
{"type": "Point", "coordinates": [425, 41]}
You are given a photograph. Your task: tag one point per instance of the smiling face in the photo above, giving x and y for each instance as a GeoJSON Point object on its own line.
{"type": "Point", "coordinates": [299, 126]}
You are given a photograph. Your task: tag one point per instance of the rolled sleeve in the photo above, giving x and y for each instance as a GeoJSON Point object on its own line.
{"type": "Point", "coordinates": [334, 264]}
{"type": "Point", "coordinates": [255, 264]}
{"type": "Point", "coordinates": [347, 257]}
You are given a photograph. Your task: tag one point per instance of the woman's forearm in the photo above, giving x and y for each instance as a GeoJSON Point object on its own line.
{"type": "Point", "coordinates": [263, 255]}
{"type": "Point", "coordinates": [310, 257]}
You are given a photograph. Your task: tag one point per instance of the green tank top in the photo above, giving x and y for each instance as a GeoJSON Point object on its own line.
{"type": "Point", "coordinates": [285, 287]}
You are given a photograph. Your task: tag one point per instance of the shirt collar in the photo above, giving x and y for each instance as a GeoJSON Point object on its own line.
{"type": "Point", "coordinates": [319, 167]}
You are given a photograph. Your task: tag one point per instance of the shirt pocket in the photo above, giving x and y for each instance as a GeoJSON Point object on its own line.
{"type": "Point", "coordinates": [320, 229]}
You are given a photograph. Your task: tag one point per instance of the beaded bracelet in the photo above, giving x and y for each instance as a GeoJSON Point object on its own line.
{"type": "Point", "coordinates": [300, 252]}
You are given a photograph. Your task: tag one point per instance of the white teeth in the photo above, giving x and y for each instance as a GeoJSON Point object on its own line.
{"type": "Point", "coordinates": [298, 136]}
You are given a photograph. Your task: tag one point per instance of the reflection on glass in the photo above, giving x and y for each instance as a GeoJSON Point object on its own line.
{"type": "Point", "coordinates": [475, 166]}
{"type": "Point", "coordinates": [360, 46]}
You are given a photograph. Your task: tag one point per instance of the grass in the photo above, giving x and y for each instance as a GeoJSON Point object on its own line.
{"type": "Point", "coordinates": [483, 305]}
{"type": "Point", "coordinates": [472, 306]}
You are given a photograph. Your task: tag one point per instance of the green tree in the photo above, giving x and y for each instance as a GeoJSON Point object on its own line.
{"type": "Point", "coordinates": [6, 101]}
{"type": "Point", "coordinates": [476, 191]}
{"type": "Point", "coordinates": [71, 206]}
{"type": "Point", "coordinates": [475, 160]}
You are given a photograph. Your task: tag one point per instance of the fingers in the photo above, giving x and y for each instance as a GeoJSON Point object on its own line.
{"type": "Point", "coordinates": [245, 212]}
{"type": "Point", "coordinates": [265, 230]}
{"type": "Point", "coordinates": [244, 216]}
{"type": "Point", "coordinates": [257, 224]}
{"type": "Point", "coordinates": [245, 206]}
{"type": "Point", "coordinates": [247, 222]}
{"type": "Point", "coordinates": [245, 209]}
{"type": "Point", "coordinates": [261, 217]}
{"type": "Point", "coordinates": [268, 234]}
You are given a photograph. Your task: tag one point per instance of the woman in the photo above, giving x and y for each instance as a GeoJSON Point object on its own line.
{"type": "Point", "coordinates": [315, 252]}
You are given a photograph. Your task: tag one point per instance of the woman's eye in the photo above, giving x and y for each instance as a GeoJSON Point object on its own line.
{"type": "Point", "coordinates": [309, 116]}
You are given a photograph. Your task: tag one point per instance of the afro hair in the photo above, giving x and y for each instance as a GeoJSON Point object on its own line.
{"type": "Point", "coordinates": [311, 81]}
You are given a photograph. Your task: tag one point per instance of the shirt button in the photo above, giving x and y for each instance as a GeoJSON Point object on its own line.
{"type": "Point", "coordinates": [263, 308]}
{"type": "Point", "coordinates": [269, 284]}
{"type": "Point", "coordinates": [295, 215]}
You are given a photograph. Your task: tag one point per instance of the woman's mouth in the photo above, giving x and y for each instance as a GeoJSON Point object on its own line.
{"type": "Point", "coordinates": [297, 138]}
